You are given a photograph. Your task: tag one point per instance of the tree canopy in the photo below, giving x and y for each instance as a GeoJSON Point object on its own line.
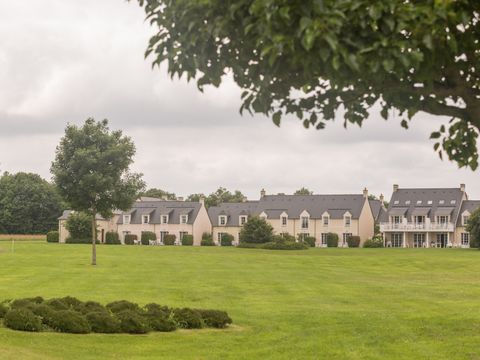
{"type": "Point", "coordinates": [303, 191]}
{"type": "Point", "coordinates": [159, 193]}
{"type": "Point", "coordinates": [317, 59]}
{"type": "Point", "coordinates": [28, 204]}
{"type": "Point", "coordinates": [219, 196]}
{"type": "Point", "coordinates": [473, 227]}
{"type": "Point", "coordinates": [256, 231]}
{"type": "Point", "coordinates": [91, 170]}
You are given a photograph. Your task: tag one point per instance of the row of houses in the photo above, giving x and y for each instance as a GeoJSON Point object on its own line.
{"type": "Point", "coordinates": [420, 217]}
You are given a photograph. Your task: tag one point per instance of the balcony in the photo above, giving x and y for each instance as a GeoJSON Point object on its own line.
{"type": "Point", "coordinates": [415, 227]}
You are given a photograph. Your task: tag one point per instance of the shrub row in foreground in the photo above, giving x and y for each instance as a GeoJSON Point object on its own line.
{"type": "Point", "coordinates": [70, 315]}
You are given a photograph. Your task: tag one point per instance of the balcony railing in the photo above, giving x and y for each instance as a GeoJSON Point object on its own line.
{"type": "Point", "coordinates": [417, 227]}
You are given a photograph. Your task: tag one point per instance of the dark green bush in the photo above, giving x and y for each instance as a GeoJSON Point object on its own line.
{"type": "Point", "coordinates": [130, 239]}
{"type": "Point", "coordinates": [23, 320]}
{"type": "Point", "coordinates": [69, 321]}
{"type": "Point", "coordinates": [147, 236]}
{"type": "Point", "coordinates": [71, 302]}
{"type": "Point", "coordinates": [103, 322]}
{"type": "Point", "coordinates": [187, 318]}
{"type": "Point", "coordinates": [57, 304]}
{"type": "Point", "coordinates": [283, 237]}
{"type": "Point", "coordinates": [207, 242]}
{"type": "Point", "coordinates": [3, 310]}
{"type": "Point", "coordinates": [157, 310]}
{"type": "Point", "coordinates": [332, 240]}
{"type": "Point", "coordinates": [215, 318]}
{"type": "Point", "coordinates": [207, 236]}
{"type": "Point", "coordinates": [70, 240]}
{"type": "Point", "coordinates": [131, 322]}
{"type": "Point", "coordinates": [187, 240]}
{"type": "Point", "coordinates": [26, 302]}
{"type": "Point", "coordinates": [112, 238]}
{"type": "Point", "coordinates": [353, 241]}
{"type": "Point", "coordinates": [45, 312]}
{"type": "Point", "coordinates": [226, 240]}
{"type": "Point", "coordinates": [169, 239]}
{"type": "Point", "coordinates": [79, 225]}
{"type": "Point", "coordinates": [376, 242]}
{"type": "Point", "coordinates": [91, 306]}
{"type": "Point", "coordinates": [309, 240]}
{"type": "Point", "coordinates": [256, 230]}
{"type": "Point", "coordinates": [286, 245]}
{"type": "Point", "coordinates": [249, 246]}
{"type": "Point", "coordinates": [121, 305]}
{"type": "Point", "coordinates": [53, 237]}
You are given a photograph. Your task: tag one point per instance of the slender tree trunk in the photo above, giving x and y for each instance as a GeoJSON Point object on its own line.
{"type": "Point", "coordinates": [94, 238]}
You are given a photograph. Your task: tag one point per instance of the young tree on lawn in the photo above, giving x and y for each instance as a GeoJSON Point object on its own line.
{"type": "Point", "coordinates": [473, 228]}
{"type": "Point", "coordinates": [91, 170]}
{"type": "Point", "coordinates": [319, 59]}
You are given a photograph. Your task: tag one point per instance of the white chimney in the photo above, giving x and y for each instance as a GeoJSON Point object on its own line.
{"type": "Point", "coordinates": [395, 187]}
{"type": "Point", "coordinates": [365, 193]}
{"type": "Point", "coordinates": [263, 193]}
{"type": "Point", "coordinates": [462, 187]}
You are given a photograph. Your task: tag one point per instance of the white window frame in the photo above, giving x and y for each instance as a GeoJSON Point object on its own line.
{"type": "Point", "coordinates": [164, 219]}
{"type": "Point", "coordinates": [242, 220]}
{"type": "Point", "coordinates": [397, 240]}
{"type": "Point", "coordinates": [347, 220]}
{"type": "Point", "coordinates": [219, 236]}
{"type": "Point", "coordinates": [419, 240]}
{"type": "Point", "coordinates": [305, 222]}
{"type": "Point", "coordinates": [145, 217]}
{"type": "Point", "coordinates": [183, 219]}
{"type": "Point", "coordinates": [325, 220]}
{"type": "Point", "coordinates": [345, 237]}
{"type": "Point", "coordinates": [222, 220]}
{"type": "Point", "coordinates": [125, 221]}
{"type": "Point", "coordinates": [440, 219]}
{"type": "Point", "coordinates": [162, 235]}
{"type": "Point", "coordinates": [465, 239]}
{"type": "Point", "coordinates": [395, 218]}
{"type": "Point", "coordinates": [465, 219]}
{"type": "Point", "coordinates": [284, 220]}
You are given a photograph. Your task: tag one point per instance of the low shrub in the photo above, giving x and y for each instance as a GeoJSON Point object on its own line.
{"type": "Point", "coordinates": [215, 318]}
{"type": "Point", "coordinates": [286, 245]}
{"type": "Point", "coordinates": [148, 236]}
{"type": "Point", "coordinates": [91, 306]}
{"type": "Point", "coordinates": [207, 242]}
{"type": "Point", "coordinates": [129, 239]}
{"type": "Point", "coordinates": [226, 240]}
{"type": "Point", "coordinates": [46, 313]}
{"type": "Point", "coordinates": [131, 322]}
{"type": "Point", "coordinates": [57, 304]}
{"type": "Point", "coordinates": [332, 240]}
{"type": "Point", "coordinates": [309, 240]}
{"type": "Point", "coordinates": [26, 302]}
{"type": "Point", "coordinates": [249, 246]}
{"type": "Point", "coordinates": [187, 240]}
{"type": "Point", "coordinates": [23, 320]}
{"type": "Point", "coordinates": [3, 310]}
{"type": "Point", "coordinates": [53, 237]}
{"type": "Point", "coordinates": [103, 322]}
{"type": "Point", "coordinates": [353, 241]}
{"type": "Point", "coordinates": [187, 318]}
{"type": "Point", "coordinates": [169, 239]}
{"type": "Point", "coordinates": [112, 238]}
{"type": "Point", "coordinates": [69, 321]}
{"type": "Point", "coordinates": [122, 305]}
{"type": "Point", "coordinates": [159, 317]}
{"type": "Point", "coordinates": [376, 242]}
{"type": "Point", "coordinates": [71, 302]}
{"type": "Point", "coordinates": [287, 237]}
{"type": "Point", "coordinates": [207, 236]}
{"type": "Point", "coordinates": [70, 240]}
{"type": "Point", "coordinates": [157, 310]}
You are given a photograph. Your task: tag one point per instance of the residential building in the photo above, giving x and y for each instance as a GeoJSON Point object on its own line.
{"type": "Point", "coordinates": [103, 225]}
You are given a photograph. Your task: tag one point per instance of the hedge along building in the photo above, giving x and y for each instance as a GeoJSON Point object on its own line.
{"type": "Point", "coordinates": [302, 216]}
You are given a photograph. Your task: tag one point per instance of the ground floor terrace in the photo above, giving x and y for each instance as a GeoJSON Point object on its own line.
{"type": "Point", "coordinates": [426, 239]}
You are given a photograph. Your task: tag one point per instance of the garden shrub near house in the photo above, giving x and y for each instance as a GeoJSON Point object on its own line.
{"type": "Point", "coordinates": [353, 241]}
{"type": "Point", "coordinates": [112, 238]}
{"type": "Point", "coordinates": [130, 239]}
{"type": "Point", "coordinates": [284, 245]}
{"type": "Point", "coordinates": [187, 240]}
{"type": "Point", "coordinates": [148, 236]}
{"type": "Point", "coordinates": [53, 237]}
{"type": "Point", "coordinates": [226, 240]}
{"type": "Point", "coordinates": [309, 240]}
{"type": "Point", "coordinates": [169, 239]}
{"type": "Point", "coordinates": [332, 240]}
{"type": "Point", "coordinates": [207, 240]}
{"type": "Point", "coordinates": [22, 319]}
{"type": "Point", "coordinates": [79, 225]}
{"type": "Point", "coordinates": [375, 242]}
{"type": "Point", "coordinates": [256, 231]}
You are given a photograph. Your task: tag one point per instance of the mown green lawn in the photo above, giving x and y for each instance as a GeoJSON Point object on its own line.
{"type": "Point", "coordinates": [315, 304]}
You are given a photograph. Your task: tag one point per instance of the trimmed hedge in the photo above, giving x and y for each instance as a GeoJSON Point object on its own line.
{"type": "Point", "coordinates": [122, 305]}
{"type": "Point", "coordinates": [226, 240]}
{"type": "Point", "coordinates": [353, 241]}
{"type": "Point", "coordinates": [169, 239]}
{"type": "Point", "coordinates": [148, 236]}
{"type": "Point", "coordinates": [69, 321]}
{"type": "Point", "coordinates": [285, 245]}
{"type": "Point", "coordinates": [132, 322]}
{"type": "Point", "coordinates": [71, 240]}
{"type": "Point", "coordinates": [112, 238]}
{"type": "Point", "coordinates": [332, 240]}
{"type": "Point", "coordinates": [207, 242]}
{"type": "Point", "coordinates": [187, 240]}
{"type": "Point", "coordinates": [22, 319]}
{"type": "Point", "coordinates": [129, 239]}
{"type": "Point", "coordinates": [53, 236]}
{"type": "Point", "coordinates": [103, 322]}
{"type": "Point", "coordinates": [310, 241]}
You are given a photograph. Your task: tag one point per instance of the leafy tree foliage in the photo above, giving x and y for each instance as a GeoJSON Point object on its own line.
{"type": "Point", "coordinates": [303, 191]}
{"type": "Point", "coordinates": [28, 204]}
{"type": "Point", "coordinates": [219, 196]}
{"type": "Point", "coordinates": [159, 193]}
{"type": "Point", "coordinates": [256, 231]}
{"type": "Point", "coordinates": [313, 58]}
{"type": "Point", "coordinates": [79, 225]}
{"type": "Point", "coordinates": [473, 228]}
{"type": "Point", "coordinates": [91, 170]}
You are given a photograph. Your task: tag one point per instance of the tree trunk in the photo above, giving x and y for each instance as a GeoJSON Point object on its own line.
{"type": "Point", "coordinates": [94, 239]}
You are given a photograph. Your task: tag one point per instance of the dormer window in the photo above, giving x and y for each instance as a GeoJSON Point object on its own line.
{"type": "Point", "coordinates": [407, 202]}
{"type": "Point", "coordinates": [453, 202]}
{"type": "Point", "coordinates": [396, 202]}
{"type": "Point", "coordinates": [164, 219]}
{"type": "Point", "coordinates": [348, 220]}
{"type": "Point", "coordinates": [127, 219]}
{"type": "Point", "coordinates": [441, 202]}
{"type": "Point", "coordinates": [145, 219]}
{"type": "Point", "coordinates": [429, 202]}
{"type": "Point", "coordinates": [222, 220]}
{"type": "Point", "coordinates": [326, 220]}
{"type": "Point", "coordinates": [419, 202]}
{"type": "Point", "coordinates": [243, 220]}
{"type": "Point", "coordinates": [183, 219]}
{"type": "Point", "coordinates": [284, 220]}
{"type": "Point", "coordinates": [465, 220]}
{"type": "Point", "coordinates": [305, 220]}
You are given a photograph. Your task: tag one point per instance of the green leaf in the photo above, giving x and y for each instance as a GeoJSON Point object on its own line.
{"type": "Point", "coordinates": [277, 116]}
{"type": "Point", "coordinates": [435, 135]}
{"type": "Point", "coordinates": [388, 64]}
{"type": "Point", "coordinates": [427, 40]}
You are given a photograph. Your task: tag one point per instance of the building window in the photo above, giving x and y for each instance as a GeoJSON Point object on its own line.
{"type": "Point", "coordinates": [162, 235]}
{"type": "Point", "coordinates": [453, 202]}
{"type": "Point", "coordinates": [164, 219]}
{"type": "Point", "coordinates": [325, 220]}
{"type": "Point", "coordinates": [442, 219]}
{"type": "Point", "coordinates": [345, 237]}
{"type": "Point", "coordinates": [305, 222]}
{"type": "Point", "coordinates": [465, 220]}
{"type": "Point", "coordinates": [324, 239]}
{"type": "Point", "coordinates": [220, 236]}
{"type": "Point", "coordinates": [397, 240]}
{"type": "Point", "coordinates": [183, 219]}
{"type": "Point", "coordinates": [222, 220]}
{"type": "Point", "coordinates": [348, 220]}
{"type": "Point", "coordinates": [407, 202]}
{"type": "Point", "coordinates": [243, 220]}
{"type": "Point", "coordinates": [465, 239]}
{"type": "Point", "coordinates": [419, 240]}
{"type": "Point", "coordinates": [127, 219]}
{"type": "Point", "coordinates": [419, 202]}
{"type": "Point", "coordinates": [441, 202]}
{"type": "Point", "coordinates": [396, 202]}
{"type": "Point", "coordinates": [284, 221]}
{"type": "Point", "coordinates": [145, 219]}
{"type": "Point", "coordinates": [182, 234]}
{"type": "Point", "coordinates": [429, 202]}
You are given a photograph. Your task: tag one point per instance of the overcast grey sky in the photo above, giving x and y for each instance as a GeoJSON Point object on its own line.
{"type": "Point", "coordinates": [65, 60]}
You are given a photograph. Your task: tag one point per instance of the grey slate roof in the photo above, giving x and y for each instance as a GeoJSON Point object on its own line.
{"type": "Point", "coordinates": [67, 213]}
{"type": "Point", "coordinates": [292, 205]}
{"type": "Point", "coordinates": [162, 207]}
{"type": "Point", "coordinates": [376, 206]}
{"type": "Point", "coordinates": [471, 206]}
{"type": "Point", "coordinates": [415, 201]}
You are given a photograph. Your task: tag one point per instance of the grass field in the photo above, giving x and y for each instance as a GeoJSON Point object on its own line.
{"type": "Point", "coordinates": [315, 304]}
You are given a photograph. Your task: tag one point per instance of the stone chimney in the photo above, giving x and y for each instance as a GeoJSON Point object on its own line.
{"type": "Point", "coordinates": [462, 187]}
{"type": "Point", "coordinates": [262, 193]}
{"type": "Point", "coordinates": [395, 187]}
{"type": "Point", "coordinates": [365, 193]}
{"type": "Point", "coordinates": [382, 199]}
{"type": "Point", "coordinates": [202, 200]}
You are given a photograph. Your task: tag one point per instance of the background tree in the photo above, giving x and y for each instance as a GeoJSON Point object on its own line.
{"type": "Point", "coordinates": [473, 227]}
{"type": "Point", "coordinates": [28, 204]}
{"type": "Point", "coordinates": [79, 225]}
{"type": "Point", "coordinates": [91, 170]}
{"type": "Point", "coordinates": [303, 191]}
{"type": "Point", "coordinates": [256, 231]}
{"type": "Point", "coordinates": [313, 58]}
{"type": "Point", "coordinates": [159, 193]}
{"type": "Point", "coordinates": [221, 195]}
